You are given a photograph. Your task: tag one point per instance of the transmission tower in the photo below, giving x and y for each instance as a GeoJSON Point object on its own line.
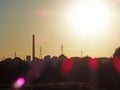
{"type": "Point", "coordinates": [62, 48]}
{"type": "Point", "coordinates": [40, 52]}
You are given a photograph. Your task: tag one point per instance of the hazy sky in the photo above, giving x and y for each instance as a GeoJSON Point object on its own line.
{"type": "Point", "coordinates": [50, 21]}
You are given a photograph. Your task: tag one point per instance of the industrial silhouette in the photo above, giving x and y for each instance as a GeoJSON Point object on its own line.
{"type": "Point", "coordinates": [60, 72]}
{"type": "Point", "coordinates": [33, 47]}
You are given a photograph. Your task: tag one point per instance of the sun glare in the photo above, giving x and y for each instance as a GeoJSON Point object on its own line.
{"type": "Point", "coordinates": [91, 17]}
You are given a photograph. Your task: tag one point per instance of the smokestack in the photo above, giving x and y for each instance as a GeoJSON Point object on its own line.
{"type": "Point", "coordinates": [33, 47]}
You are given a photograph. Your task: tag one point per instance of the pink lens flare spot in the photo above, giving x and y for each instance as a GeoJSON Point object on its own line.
{"type": "Point", "coordinates": [93, 63]}
{"type": "Point", "coordinates": [43, 12]}
{"type": "Point", "coordinates": [19, 83]}
{"type": "Point", "coordinates": [116, 63]}
{"type": "Point", "coordinates": [41, 38]}
{"type": "Point", "coordinates": [67, 66]}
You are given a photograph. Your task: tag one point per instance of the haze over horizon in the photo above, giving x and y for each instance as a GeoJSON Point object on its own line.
{"type": "Point", "coordinates": [91, 26]}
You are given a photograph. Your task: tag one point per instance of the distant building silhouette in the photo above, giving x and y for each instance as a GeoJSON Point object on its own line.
{"type": "Point", "coordinates": [28, 58]}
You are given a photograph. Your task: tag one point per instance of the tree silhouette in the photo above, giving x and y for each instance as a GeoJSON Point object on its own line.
{"type": "Point", "coordinates": [117, 53]}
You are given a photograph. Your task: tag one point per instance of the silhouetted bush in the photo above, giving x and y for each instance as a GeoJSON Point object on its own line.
{"type": "Point", "coordinates": [50, 70]}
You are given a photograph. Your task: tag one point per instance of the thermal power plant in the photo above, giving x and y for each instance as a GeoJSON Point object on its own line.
{"type": "Point", "coordinates": [33, 47]}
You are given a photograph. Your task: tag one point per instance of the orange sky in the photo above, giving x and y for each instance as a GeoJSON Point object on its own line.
{"type": "Point", "coordinates": [50, 22]}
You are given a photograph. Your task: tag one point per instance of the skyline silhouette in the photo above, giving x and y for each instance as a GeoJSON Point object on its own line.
{"type": "Point", "coordinates": [59, 44]}
{"type": "Point", "coordinates": [61, 73]}
{"type": "Point", "coordinates": [89, 26]}
{"type": "Point", "coordinates": [33, 52]}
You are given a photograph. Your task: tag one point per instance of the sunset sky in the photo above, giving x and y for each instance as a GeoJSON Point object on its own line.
{"type": "Point", "coordinates": [90, 26]}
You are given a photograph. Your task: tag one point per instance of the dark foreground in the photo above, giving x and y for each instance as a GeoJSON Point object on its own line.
{"type": "Point", "coordinates": [58, 86]}
{"type": "Point", "coordinates": [60, 73]}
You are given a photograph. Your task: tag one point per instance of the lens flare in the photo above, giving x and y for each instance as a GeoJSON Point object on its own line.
{"type": "Point", "coordinates": [19, 83]}
{"type": "Point", "coordinates": [43, 12]}
{"type": "Point", "coordinates": [93, 63]}
{"type": "Point", "coordinates": [116, 63]}
{"type": "Point", "coordinates": [67, 66]}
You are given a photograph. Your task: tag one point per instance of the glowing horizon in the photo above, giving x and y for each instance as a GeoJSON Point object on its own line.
{"type": "Point", "coordinates": [70, 23]}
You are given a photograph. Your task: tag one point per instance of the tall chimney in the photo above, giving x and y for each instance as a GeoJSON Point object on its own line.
{"type": "Point", "coordinates": [33, 47]}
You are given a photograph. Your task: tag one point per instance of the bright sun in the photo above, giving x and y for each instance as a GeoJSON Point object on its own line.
{"type": "Point", "coordinates": [90, 17]}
